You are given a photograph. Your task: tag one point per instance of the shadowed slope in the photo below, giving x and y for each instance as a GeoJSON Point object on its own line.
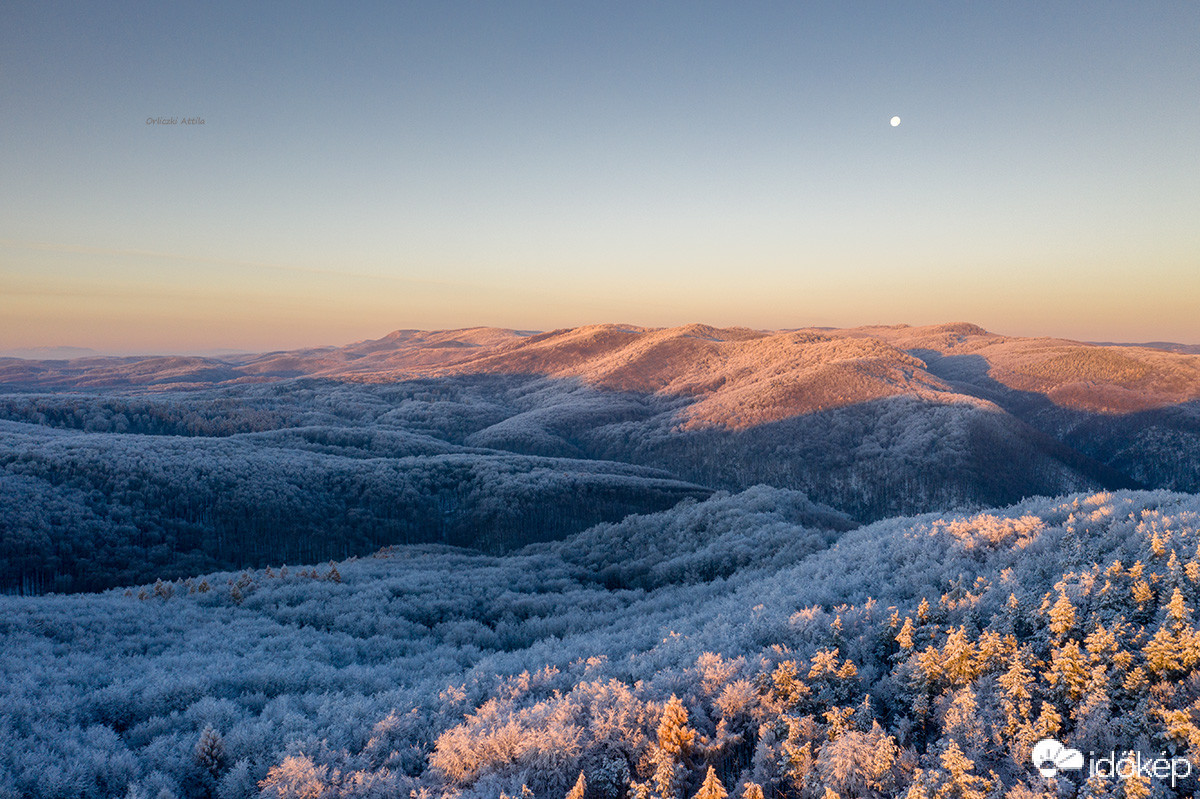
{"type": "Point", "coordinates": [1088, 377]}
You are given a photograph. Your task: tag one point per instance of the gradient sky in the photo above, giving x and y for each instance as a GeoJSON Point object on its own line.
{"type": "Point", "coordinates": [539, 165]}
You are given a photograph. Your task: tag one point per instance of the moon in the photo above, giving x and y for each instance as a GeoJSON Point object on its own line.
{"type": "Point", "coordinates": [895, 121]}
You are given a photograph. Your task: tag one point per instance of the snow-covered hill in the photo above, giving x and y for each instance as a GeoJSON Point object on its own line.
{"type": "Point", "coordinates": [913, 654]}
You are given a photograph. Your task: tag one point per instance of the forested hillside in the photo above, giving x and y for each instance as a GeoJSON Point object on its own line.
{"type": "Point", "coordinates": [107, 489]}
{"type": "Point", "coordinates": [90, 510]}
{"type": "Point", "coordinates": [165, 467]}
{"type": "Point", "coordinates": [743, 643]}
{"type": "Point", "coordinates": [606, 563]}
{"type": "Point", "coordinates": [876, 421]}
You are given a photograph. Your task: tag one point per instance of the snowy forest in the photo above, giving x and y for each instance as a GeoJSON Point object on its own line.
{"type": "Point", "coordinates": [509, 575]}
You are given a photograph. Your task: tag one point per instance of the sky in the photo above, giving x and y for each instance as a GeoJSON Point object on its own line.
{"type": "Point", "coordinates": [370, 167]}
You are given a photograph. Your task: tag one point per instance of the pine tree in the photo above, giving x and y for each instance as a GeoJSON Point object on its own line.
{"type": "Point", "coordinates": [917, 789]}
{"type": "Point", "coordinates": [1062, 617]}
{"type": "Point", "coordinates": [1181, 729]}
{"type": "Point", "coordinates": [905, 638]}
{"type": "Point", "coordinates": [1174, 647]}
{"type": "Point", "coordinates": [798, 758]}
{"type": "Point", "coordinates": [580, 788]}
{"type": "Point", "coordinates": [712, 787]}
{"type": "Point", "coordinates": [991, 650]}
{"type": "Point", "coordinates": [1143, 594]}
{"type": "Point", "coordinates": [1097, 787]}
{"type": "Point", "coordinates": [788, 688]}
{"type": "Point", "coordinates": [210, 751]}
{"type": "Point", "coordinates": [752, 791]}
{"type": "Point", "coordinates": [674, 735]}
{"type": "Point", "coordinates": [1192, 570]}
{"type": "Point", "coordinates": [1102, 645]}
{"type": "Point", "coordinates": [1017, 699]}
{"type": "Point", "coordinates": [1137, 785]}
{"type": "Point", "coordinates": [675, 741]}
{"type": "Point", "coordinates": [1069, 671]}
{"type": "Point", "coordinates": [1049, 721]}
{"type": "Point", "coordinates": [668, 776]}
{"type": "Point", "coordinates": [1178, 611]}
{"type": "Point", "coordinates": [1174, 571]}
{"type": "Point", "coordinates": [1011, 615]}
{"type": "Point", "coordinates": [960, 782]}
{"type": "Point", "coordinates": [1135, 682]}
{"type": "Point", "coordinates": [962, 722]}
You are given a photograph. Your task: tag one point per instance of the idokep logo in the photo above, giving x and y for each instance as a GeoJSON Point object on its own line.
{"type": "Point", "coordinates": [1052, 757]}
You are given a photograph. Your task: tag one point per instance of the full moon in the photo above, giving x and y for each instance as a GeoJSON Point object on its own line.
{"type": "Point", "coordinates": [895, 121]}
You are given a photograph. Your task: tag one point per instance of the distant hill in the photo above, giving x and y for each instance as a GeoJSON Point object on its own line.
{"type": "Point", "coordinates": [494, 438]}
{"type": "Point", "coordinates": [737, 376]}
{"type": "Point", "coordinates": [1169, 346]}
{"type": "Point", "coordinates": [48, 353]}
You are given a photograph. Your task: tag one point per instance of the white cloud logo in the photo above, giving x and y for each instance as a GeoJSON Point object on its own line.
{"type": "Point", "coordinates": [1051, 756]}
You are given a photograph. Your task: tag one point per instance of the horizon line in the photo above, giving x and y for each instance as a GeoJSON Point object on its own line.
{"type": "Point", "coordinates": [47, 352]}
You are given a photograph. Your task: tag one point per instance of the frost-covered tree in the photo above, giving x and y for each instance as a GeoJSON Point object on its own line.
{"type": "Point", "coordinates": [711, 788]}
{"type": "Point", "coordinates": [210, 752]}
{"type": "Point", "coordinates": [672, 756]}
{"type": "Point", "coordinates": [579, 789]}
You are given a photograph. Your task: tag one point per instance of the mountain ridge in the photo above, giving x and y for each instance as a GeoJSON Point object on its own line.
{"type": "Point", "coordinates": [874, 421]}
{"type": "Point", "coordinates": [823, 367]}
